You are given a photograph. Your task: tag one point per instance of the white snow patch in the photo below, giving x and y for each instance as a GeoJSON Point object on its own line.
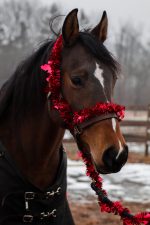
{"type": "Point", "coordinates": [67, 135]}
{"type": "Point", "coordinates": [132, 183]}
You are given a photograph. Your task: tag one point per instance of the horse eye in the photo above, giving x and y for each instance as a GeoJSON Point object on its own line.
{"type": "Point", "coordinates": [77, 81]}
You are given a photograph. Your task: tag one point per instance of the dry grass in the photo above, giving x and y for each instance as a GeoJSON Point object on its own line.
{"type": "Point", "coordinates": [89, 214]}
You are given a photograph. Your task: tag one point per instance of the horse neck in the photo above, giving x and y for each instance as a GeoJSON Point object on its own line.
{"type": "Point", "coordinates": [34, 146]}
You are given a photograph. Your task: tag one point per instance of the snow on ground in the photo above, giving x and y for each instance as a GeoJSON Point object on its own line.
{"type": "Point", "coordinates": [131, 184]}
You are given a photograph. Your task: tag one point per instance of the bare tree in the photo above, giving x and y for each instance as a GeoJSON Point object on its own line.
{"type": "Point", "coordinates": [135, 60]}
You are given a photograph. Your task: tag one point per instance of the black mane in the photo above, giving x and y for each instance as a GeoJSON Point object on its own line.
{"type": "Point", "coordinates": [24, 91]}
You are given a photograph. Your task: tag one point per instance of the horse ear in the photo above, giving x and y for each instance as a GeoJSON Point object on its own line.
{"type": "Point", "coordinates": [100, 31]}
{"type": "Point", "coordinates": [70, 29]}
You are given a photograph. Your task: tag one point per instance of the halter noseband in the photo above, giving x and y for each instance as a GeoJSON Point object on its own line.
{"type": "Point", "coordinates": [76, 122]}
{"type": "Point", "coordinates": [78, 129]}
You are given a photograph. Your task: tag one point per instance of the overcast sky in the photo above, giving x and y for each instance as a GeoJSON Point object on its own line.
{"type": "Point", "coordinates": [119, 11]}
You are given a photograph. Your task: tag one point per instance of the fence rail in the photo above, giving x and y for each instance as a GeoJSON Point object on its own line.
{"type": "Point", "coordinates": [134, 136]}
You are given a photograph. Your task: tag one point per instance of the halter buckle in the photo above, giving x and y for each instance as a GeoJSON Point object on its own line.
{"type": "Point", "coordinates": [77, 130]}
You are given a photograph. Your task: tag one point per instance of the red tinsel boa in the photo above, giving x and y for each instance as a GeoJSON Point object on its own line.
{"type": "Point", "coordinates": [73, 118]}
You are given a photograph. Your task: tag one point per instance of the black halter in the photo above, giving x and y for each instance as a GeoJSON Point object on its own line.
{"type": "Point", "coordinates": [78, 129]}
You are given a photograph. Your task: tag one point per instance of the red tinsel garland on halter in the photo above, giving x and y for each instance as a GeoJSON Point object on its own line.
{"type": "Point", "coordinates": [54, 87]}
{"type": "Point", "coordinates": [73, 118]}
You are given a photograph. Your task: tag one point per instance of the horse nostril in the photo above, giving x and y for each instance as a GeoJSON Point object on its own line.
{"type": "Point", "coordinates": [109, 157]}
{"type": "Point", "coordinates": [114, 162]}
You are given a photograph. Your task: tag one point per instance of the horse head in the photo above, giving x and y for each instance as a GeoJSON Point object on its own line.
{"type": "Point", "coordinates": [89, 76]}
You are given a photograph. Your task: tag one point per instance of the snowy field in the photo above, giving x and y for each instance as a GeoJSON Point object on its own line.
{"type": "Point", "coordinates": [131, 184]}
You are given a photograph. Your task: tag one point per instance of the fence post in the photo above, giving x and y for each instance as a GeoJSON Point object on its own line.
{"type": "Point", "coordinates": [146, 149]}
{"type": "Point", "coordinates": [147, 132]}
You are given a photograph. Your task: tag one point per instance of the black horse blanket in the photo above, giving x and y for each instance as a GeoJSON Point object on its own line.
{"type": "Point", "coordinates": [23, 203]}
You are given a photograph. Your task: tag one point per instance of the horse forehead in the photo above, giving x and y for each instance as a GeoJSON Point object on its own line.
{"type": "Point", "coordinates": [77, 53]}
{"type": "Point", "coordinates": [79, 60]}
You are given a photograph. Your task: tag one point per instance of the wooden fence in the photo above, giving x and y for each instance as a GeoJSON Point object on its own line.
{"type": "Point", "coordinates": [140, 132]}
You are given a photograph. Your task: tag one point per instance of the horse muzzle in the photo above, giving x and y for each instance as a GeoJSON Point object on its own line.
{"type": "Point", "coordinates": [112, 160]}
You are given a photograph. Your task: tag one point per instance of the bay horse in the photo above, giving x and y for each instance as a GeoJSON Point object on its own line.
{"type": "Point", "coordinates": [32, 159]}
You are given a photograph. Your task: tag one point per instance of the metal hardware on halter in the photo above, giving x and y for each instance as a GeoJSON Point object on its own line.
{"type": "Point", "coordinates": [77, 130]}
